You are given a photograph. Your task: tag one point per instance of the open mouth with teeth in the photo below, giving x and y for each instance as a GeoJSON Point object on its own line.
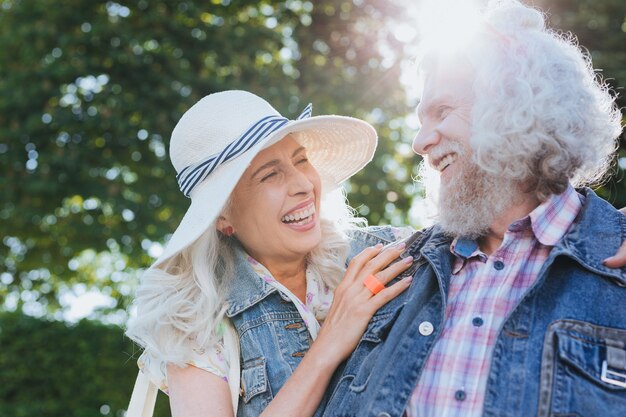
{"type": "Point", "coordinates": [300, 217]}
{"type": "Point", "coordinates": [443, 163]}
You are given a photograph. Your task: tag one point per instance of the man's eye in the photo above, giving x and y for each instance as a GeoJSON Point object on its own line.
{"type": "Point", "coordinates": [302, 161]}
{"type": "Point", "coordinates": [444, 112]}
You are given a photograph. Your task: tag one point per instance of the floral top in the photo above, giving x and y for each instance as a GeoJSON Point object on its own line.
{"type": "Point", "coordinates": [313, 311]}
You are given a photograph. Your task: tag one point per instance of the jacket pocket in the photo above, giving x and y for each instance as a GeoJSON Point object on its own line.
{"type": "Point", "coordinates": [253, 379]}
{"type": "Point", "coordinates": [583, 370]}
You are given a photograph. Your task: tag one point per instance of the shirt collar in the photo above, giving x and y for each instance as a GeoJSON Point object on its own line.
{"type": "Point", "coordinates": [553, 218]}
{"type": "Point", "coordinates": [464, 249]}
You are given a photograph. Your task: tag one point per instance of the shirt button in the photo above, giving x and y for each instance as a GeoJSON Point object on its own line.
{"type": "Point", "coordinates": [499, 265]}
{"type": "Point", "coordinates": [426, 328]}
{"type": "Point", "coordinates": [460, 395]}
{"type": "Point", "coordinates": [477, 321]}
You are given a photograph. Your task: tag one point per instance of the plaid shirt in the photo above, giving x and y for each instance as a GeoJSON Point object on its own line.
{"type": "Point", "coordinates": [483, 291]}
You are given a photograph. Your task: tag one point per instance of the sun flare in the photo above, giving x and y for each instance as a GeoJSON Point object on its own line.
{"type": "Point", "coordinates": [443, 23]}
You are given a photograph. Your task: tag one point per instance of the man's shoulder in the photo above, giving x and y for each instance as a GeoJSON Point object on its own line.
{"type": "Point", "coordinates": [594, 205]}
{"type": "Point", "coordinates": [363, 237]}
{"type": "Point", "coordinates": [598, 216]}
{"type": "Point", "coordinates": [430, 238]}
{"type": "Point", "coordinates": [596, 234]}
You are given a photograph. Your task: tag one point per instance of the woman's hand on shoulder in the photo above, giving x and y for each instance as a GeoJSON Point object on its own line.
{"type": "Point", "coordinates": [354, 304]}
{"type": "Point", "coordinates": [619, 259]}
{"type": "Point", "coordinates": [195, 392]}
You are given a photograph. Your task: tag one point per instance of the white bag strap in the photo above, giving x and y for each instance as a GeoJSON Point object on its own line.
{"type": "Point", "coordinates": [231, 346]}
{"type": "Point", "coordinates": [144, 397]}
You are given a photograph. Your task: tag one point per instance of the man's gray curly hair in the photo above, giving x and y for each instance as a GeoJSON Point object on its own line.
{"type": "Point", "coordinates": [542, 115]}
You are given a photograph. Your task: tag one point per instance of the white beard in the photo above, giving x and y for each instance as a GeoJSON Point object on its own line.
{"type": "Point", "coordinates": [470, 202]}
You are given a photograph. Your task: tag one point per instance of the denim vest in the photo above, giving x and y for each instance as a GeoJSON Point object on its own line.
{"type": "Point", "coordinates": [553, 355]}
{"type": "Point", "coordinates": [273, 337]}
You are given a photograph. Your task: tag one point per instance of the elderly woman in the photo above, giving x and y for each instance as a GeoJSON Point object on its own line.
{"type": "Point", "coordinates": [254, 263]}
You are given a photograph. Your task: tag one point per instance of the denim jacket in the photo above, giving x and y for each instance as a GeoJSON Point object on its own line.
{"type": "Point", "coordinates": [273, 337]}
{"type": "Point", "coordinates": [560, 352]}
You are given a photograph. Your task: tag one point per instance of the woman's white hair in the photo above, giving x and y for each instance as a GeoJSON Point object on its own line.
{"type": "Point", "coordinates": [181, 305]}
{"type": "Point", "coordinates": [542, 115]}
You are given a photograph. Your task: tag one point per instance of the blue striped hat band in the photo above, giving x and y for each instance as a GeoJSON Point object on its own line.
{"type": "Point", "coordinates": [192, 175]}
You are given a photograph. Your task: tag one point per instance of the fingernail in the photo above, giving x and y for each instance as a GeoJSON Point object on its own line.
{"type": "Point", "coordinates": [408, 260]}
{"type": "Point", "coordinates": [401, 245]}
{"type": "Point", "coordinates": [408, 279]}
{"type": "Point", "coordinates": [379, 245]}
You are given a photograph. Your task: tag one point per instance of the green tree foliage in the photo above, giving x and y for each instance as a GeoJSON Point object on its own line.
{"type": "Point", "coordinates": [90, 92]}
{"type": "Point", "coordinates": [50, 370]}
{"type": "Point", "coordinates": [600, 27]}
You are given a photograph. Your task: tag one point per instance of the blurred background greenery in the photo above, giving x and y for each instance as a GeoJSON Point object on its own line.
{"type": "Point", "coordinates": [89, 93]}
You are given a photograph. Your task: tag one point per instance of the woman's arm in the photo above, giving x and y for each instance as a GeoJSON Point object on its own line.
{"type": "Point", "coordinates": [195, 392]}
{"type": "Point", "coordinates": [353, 307]}
{"type": "Point", "coordinates": [198, 393]}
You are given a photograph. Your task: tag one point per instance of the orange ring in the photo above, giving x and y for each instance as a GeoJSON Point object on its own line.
{"type": "Point", "coordinates": [373, 284]}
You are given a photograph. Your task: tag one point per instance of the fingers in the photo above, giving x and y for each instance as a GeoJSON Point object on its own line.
{"type": "Point", "coordinates": [386, 256]}
{"type": "Point", "coordinates": [374, 261]}
{"type": "Point", "coordinates": [380, 261]}
{"type": "Point", "coordinates": [376, 257]}
{"type": "Point", "coordinates": [393, 270]}
{"type": "Point", "coordinates": [359, 261]}
{"type": "Point", "coordinates": [390, 292]}
{"type": "Point", "coordinates": [618, 260]}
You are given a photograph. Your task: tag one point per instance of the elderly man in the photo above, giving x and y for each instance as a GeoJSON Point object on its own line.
{"type": "Point", "coordinates": [512, 311]}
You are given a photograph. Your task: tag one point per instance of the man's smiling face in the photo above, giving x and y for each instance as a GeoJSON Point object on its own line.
{"type": "Point", "coordinates": [445, 115]}
{"type": "Point", "coordinates": [469, 198]}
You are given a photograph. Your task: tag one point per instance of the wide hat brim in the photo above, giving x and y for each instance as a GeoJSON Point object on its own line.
{"type": "Point", "coordinates": [337, 146]}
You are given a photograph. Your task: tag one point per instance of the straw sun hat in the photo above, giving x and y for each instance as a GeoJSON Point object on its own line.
{"type": "Point", "coordinates": [217, 138]}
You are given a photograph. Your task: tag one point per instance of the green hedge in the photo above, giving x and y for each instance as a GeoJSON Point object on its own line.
{"type": "Point", "coordinates": [50, 369]}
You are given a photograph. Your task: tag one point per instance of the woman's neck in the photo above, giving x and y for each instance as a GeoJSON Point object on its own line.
{"type": "Point", "coordinates": [290, 273]}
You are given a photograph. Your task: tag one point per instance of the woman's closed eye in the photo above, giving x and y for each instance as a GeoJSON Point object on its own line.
{"type": "Point", "coordinates": [269, 175]}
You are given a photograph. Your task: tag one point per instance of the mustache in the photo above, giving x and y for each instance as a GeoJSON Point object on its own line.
{"type": "Point", "coordinates": [443, 149]}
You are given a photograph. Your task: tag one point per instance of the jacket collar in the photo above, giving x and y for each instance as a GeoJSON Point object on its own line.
{"type": "Point", "coordinates": [597, 233]}
{"type": "Point", "coordinates": [434, 246]}
{"type": "Point", "coordinates": [588, 240]}
{"type": "Point", "coordinates": [246, 287]}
